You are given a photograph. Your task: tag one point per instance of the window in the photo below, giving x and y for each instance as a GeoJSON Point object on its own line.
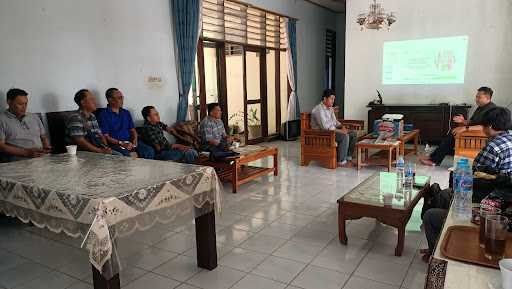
{"type": "Point", "coordinates": [242, 65]}
{"type": "Point", "coordinates": [239, 23]}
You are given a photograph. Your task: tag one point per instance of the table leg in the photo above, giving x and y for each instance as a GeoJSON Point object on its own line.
{"type": "Point", "coordinates": [402, 147]}
{"type": "Point", "coordinates": [101, 283]}
{"type": "Point", "coordinates": [206, 241]}
{"type": "Point", "coordinates": [276, 165]}
{"type": "Point", "coordinates": [358, 158]}
{"type": "Point", "coordinates": [341, 227]}
{"type": "Point", "coordinates": [397, 154]}
{"type": "Point", "coordinates": [416, 143]}
{"type": "Point", "coordinates": [234, 176]}
{"type": "Point", "coordinates": [401, 236]}
{"type": "Point", "coordinates": [390, 158]}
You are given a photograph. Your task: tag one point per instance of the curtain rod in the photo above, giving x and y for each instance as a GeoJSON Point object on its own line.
{"type": "Point", "coordinates": [263, 9]}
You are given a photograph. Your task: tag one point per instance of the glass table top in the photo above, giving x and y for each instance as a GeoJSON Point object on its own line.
{"type": "Point", "coordinates": [380, 190]}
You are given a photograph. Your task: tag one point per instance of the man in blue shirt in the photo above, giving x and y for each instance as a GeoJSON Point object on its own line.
{"type": "Point", "coordinates": [116, 124]}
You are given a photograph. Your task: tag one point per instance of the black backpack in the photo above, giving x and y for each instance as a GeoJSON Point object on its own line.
{"type": "Point", "coordinates": [436, 198]}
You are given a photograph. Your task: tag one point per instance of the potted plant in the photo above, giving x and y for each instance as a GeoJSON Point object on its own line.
{"type": "Point", "coordinates": [254, 123]}
{"type": "Point", "coordinates": [234, 123]}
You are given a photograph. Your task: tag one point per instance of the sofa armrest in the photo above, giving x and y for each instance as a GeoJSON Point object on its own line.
{"type": "Point", "coordinates": [318, 138]}
{"type": "Point", "coordinates": [352, 124]}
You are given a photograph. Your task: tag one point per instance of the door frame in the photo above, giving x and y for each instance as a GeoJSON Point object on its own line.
{"type": "Point", "coordinates": [222, 86]}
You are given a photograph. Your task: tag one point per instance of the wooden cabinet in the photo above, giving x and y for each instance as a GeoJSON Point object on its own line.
{"type": "Point", "coordinates": [433, 120]}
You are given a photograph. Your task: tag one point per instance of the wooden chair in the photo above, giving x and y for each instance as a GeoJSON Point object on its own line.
{"type": "Point", "coordinates": [321, 145]}
{"type": "Point", "coordinates": [469, 143]}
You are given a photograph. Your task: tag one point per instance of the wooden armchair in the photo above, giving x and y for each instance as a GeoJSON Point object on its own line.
{"type": "Point", "coordinates": [469, 143]}
{"type": "Point", "coordinates": [321, 145]}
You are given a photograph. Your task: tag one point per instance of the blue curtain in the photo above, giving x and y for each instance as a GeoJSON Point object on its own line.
{"type": "Point", "coordinates": [186, 14]}
{"type": "Point", "coordinates": [292, 43]}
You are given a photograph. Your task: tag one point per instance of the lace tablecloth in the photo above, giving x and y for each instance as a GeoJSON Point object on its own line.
{"type": "Point", "coordinates": [100, 197]}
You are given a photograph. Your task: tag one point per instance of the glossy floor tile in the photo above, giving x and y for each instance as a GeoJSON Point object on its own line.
{"type": "Point", "coordinates": [275, 233]}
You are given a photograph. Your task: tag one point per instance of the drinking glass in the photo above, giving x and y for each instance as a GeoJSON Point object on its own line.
{"type": "Point", "coordinates": [484, 212]}
{"type": "Point", "coordinates": [495, 236]}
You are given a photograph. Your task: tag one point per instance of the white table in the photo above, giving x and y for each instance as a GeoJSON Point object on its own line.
{"type": "Point", "coordinates": [102, 197]}
{"type": "Point", "coordinates": [461, 275]}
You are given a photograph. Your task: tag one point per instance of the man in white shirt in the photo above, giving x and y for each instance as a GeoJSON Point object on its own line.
{"type": "Point", "coordinates": [323, 117]}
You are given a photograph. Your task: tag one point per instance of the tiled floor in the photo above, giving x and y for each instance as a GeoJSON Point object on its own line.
{"type": "Point", "coordinates": [277, 232]}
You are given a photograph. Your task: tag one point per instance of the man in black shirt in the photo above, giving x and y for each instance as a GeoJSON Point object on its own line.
{"type": "Point", "coordinates": [484, 103]}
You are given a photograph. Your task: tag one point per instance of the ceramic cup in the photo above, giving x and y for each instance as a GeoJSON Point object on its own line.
{"type": "Point", "coordinates": [506, 273]}
{"type": "Point", "coordinates": [71, 149]}
{"type": "Point", "coordinates": [236, 144]}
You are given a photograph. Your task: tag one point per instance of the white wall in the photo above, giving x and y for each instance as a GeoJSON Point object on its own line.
{"type": "Point", "coordinates": [489, 61]}
{"type": "Point", "coordinates": [52, 48]}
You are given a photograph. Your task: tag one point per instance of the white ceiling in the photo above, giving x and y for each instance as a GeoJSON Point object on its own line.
{"type": "Point", "coordinates": [334, 5]}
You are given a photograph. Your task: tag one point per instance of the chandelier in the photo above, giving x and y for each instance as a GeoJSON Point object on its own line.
{"type": "Point", "coordinates": [376, 17]}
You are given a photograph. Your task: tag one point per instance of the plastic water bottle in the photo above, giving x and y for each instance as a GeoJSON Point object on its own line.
{"type": "Point", "coordinates": [463, 191]}
{"type": "Point", "coordinates": [408, 178]}
{"type": "Point", "coordinates": [400, 169]}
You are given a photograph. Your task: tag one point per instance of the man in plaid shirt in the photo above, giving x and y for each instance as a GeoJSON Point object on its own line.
{"type": "Point", "coordinates": [212, 131]}
{"type": "Point", "coordinates": [153, 135]}
{"type": "Point", "coordinates": [496, 157]}
{"type": "Point", "coordinates": [82, 128]}
{"type": "Point", "coordinates": [497, 154]}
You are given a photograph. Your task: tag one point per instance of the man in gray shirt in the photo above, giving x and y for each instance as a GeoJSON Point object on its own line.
{"type": "Point", "coordinates": [22, 134]}
{"type": "Point", "coordinates": [323, 117]}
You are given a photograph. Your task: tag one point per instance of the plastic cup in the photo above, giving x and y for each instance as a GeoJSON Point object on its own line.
{"type": "Point", "coordinates": [71, 149]}
{"type": "Point", "coordinates": [387, 198]}
{"type": "Point", "coordinates": [506, 273]}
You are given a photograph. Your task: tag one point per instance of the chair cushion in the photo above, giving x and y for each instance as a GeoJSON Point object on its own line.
{"type": "Point", "coordinates": [187, 133]}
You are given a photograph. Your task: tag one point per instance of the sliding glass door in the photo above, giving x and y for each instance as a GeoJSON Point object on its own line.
{"type": "Point", "coordinates": [247, 81]}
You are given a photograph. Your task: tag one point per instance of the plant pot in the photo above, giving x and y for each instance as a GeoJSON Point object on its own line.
{"type": "Point", "coordinates": [254, 131]}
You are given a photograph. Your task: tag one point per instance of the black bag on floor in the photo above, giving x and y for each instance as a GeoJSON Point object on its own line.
{"type": "Point", "coordinates": [436, 198]}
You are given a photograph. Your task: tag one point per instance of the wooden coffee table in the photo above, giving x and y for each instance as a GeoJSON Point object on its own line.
{"type": "Point", "coordinates": [413, 135]}
{"type": "Point", "coordinates": [366, 144]}
{"type": "Point", "coordinates": [237, 171]}
{"type": "Point", "coordinates": [367, 200]}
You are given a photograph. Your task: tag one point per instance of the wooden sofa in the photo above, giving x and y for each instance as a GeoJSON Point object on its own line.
{"type": "Point", "coordinates": [469, 143]}
{"type": "Point", "coordinates": [320, 145]}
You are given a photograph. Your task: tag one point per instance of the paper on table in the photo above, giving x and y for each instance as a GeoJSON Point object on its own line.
{"type": "Point", "coordinates": [420, 181]}
{"type": "Point", "coordinates": [387, 182]}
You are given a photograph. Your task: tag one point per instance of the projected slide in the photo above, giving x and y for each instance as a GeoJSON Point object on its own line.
{"type": "Point", "coordinates": [425, 61]}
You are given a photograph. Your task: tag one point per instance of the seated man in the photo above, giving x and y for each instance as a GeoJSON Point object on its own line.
{"type": "Point", "coordinates": [496, 157]}
{"type": "Point", "coordinates": [211, 129]}
{"type": "Point", "coordinates": [323, 117]}
{"type": "Point", "coordinates": [153, 134]}
{"type": "Point", "coordinates": [116, 124]}
{"type": "Point", "coordinates": [22, 135]}
{"type": "Point", "coordinates": [82, 127]}
{"type": "Point", "coordinates": [484, 103]}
